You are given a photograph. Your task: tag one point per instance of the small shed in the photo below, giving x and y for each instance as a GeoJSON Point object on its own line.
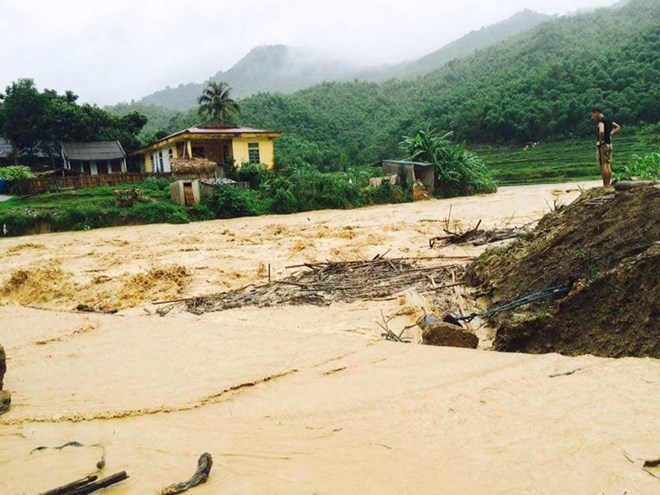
{"type": "Point", "coordinates": [185, 192]}
{"type": "Point", "coordinates": [422, 173]}
{"type": "Point", "coordinates": [94, 158]}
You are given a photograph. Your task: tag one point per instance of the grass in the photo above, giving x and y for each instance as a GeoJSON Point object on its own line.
{"type": "Point", "coordinates": [85, 209]}
{"type": "Point", "coordinates": [563, 161]}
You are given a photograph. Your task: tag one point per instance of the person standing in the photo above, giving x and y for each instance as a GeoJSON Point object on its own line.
{"type": "Point", "coordinates": [606, 129]}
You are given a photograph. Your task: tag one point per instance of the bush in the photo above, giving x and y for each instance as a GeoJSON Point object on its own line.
{"type": "Point", "coordinates": [16, 172]}
{"type": "Point", "coordinates": [201, 212]}
{"type": "Point", "coordinates": [646, 167]}
{"type": "Point", "coordinates": [387, 193]}
{"type": "Point", "coordinates": [159, 212]}
{"type": "Point", "coordinates": [284, 201]}
{"type": "Point", "coordinates": [160, 184]}
{"type": "Point", "coordinates": [230, 201]}
{"type": "Point", "coordinates": [306, 189]}
{"type": "Point", "coordinates": [254, 173]}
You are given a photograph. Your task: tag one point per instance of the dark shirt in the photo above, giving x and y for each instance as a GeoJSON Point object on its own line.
{"type": "Point", "coordinates": [607, 138]}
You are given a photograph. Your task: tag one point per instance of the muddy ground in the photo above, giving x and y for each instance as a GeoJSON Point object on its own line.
{"type": "Point", "coordinates": [297, 399]}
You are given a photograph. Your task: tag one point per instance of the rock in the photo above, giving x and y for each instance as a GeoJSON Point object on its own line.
{"type": "Point", "coordinates": [448, 335]}
{"type": "Point", "coordinates": [5, 401]}
{"type": "Point", "coordinates": [3, 365]}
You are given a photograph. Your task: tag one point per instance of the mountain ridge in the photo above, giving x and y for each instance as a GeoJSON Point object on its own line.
{"type": "Point", "coordinates": [285, 69]}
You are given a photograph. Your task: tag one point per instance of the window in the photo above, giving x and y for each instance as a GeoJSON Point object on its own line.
{"type": "Point", "coordinates": [253, 153]}
{"type": "Point", "coordinates": [198, 152]}
{"type": "Point", "coordinates": [160, 161]}
{"type": "Point", "coordinates": [170, 153]}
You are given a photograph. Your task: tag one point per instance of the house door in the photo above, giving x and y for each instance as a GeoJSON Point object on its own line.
{"type": "Point", "coordinates": [188, 195]}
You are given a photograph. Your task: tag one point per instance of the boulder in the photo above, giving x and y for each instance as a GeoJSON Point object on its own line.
{"type": "Point", "coordinates": [440, 333]}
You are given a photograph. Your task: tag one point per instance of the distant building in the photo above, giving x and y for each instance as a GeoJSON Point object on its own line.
{"type": "Point", "coordinates": [213, 141]}
{"type": "Point", "coordinates": [94, 158]}
{"type": "Point", "coordinates": [6, 150]}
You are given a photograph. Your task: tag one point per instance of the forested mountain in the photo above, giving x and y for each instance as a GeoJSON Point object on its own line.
{"type": "Point", "coordinates": [535, 86]}
{"type": "Point", "coordinates": [463, 47]}
{"type": "Point", "coordinates": [538, 85]}
{"type": "Point", "coordinates": [283, 69]}
{"type": "Point", "coordinates": [276, 68]}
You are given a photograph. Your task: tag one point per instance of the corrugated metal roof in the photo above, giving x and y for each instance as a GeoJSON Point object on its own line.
{"type": "Point", "coordinates": [403, 162]}
{"type": "Point", "coordinates": [214, 127]}
{"type": "Point", "coordinates": [96, 150]}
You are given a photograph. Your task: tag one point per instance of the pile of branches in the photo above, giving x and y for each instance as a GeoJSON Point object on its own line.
{"type": "Point", "coordinates": [322, 284]}
{"type": "Point", "coordinates": [477, 237]}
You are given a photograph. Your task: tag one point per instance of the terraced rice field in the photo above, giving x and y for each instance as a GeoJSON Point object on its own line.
{"type": "Point", "coordinates": [561, 161]}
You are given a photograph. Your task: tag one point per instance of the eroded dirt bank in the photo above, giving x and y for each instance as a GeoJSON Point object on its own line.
{"type": "Point", "coordinates": [296, 399]}
{"type": "Point", "coordinates": [608, 245]}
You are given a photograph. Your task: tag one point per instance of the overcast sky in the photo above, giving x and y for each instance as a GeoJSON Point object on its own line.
{"type": "Point", "coordinates": [117, 50]}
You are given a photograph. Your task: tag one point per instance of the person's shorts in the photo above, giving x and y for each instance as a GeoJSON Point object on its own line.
{"type": "Point", "coordinates": [605, 153]}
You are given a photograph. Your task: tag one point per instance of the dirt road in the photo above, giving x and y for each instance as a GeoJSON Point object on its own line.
{"type": "Point", "coordinates": [295, 399]}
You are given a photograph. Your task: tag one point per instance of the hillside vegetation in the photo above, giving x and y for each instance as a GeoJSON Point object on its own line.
{"type": "Point", "coordinates": [462, 47]}
{"type": "Point", "coordinates": [537, 86]}
{"type": "Point", "coordinates": [285, 69]}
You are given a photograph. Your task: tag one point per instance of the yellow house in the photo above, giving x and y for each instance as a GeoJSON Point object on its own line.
{"type": "Point", "coordinates": [211, 140]}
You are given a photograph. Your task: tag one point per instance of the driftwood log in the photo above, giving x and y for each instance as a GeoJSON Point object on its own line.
{"type": "Point", "coordinates": [626, 185]}
{"type": "Point", "coordinates": [3, 365]}
{"type": "Point", "coordinates": [88, 485]}
{"type": "Point", "coordinates": [204, 465]}
{"type": "Point", "coordinates": [64, 489]}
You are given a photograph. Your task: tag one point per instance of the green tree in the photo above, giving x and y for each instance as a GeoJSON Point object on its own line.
{"type": "Point", "coordinates": [216, 103]}
{"type": "Point", "coordinates": [21, 117]}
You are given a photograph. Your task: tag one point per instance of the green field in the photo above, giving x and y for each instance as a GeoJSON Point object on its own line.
{"type": "Point", "coordinates": [563, 161]}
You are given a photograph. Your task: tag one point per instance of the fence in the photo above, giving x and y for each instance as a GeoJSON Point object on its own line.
{"type": "Point", "coordinates": [53, 183]}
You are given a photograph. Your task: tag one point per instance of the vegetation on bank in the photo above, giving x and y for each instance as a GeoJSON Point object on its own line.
{"type": "Point", "coordinates": [16, 172]}
{"type": "Point", "coordinates": [296, 188]}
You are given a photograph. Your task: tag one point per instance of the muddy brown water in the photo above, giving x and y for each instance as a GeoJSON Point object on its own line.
{"type": "Point", "coordinates": [299, 399]}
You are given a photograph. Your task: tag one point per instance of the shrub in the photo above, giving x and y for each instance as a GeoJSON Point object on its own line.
{"type": "Point", "coordinates": [312, 190]}
{"type": "Point", "coordinates": [254, 173]}
{"type": "Point", "coordinates": [646, 167]}
{"type": "Point", "coordinates": [159, 212]}
{"type": "Point", "coordinates": [230, 201]}
{"type": "Point", "coordinates": [201, 212]}
{"type": "Point", "coordinates": [16, 172]}
{"type": "Point", "coordinates": [284, 201]}
{"type": "Point", "coordinates": [160, 184]}
{"type": "Point", "coordinates": [387, 193]}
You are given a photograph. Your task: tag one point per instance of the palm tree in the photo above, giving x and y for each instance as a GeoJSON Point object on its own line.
{"type": "Point", "coordinates": [217, 104]}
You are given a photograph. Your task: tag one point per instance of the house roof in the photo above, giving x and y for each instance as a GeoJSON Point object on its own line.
{"type": "Point", "coordinates": [403, 162]}
{"type": "Point", "coordinates": [209, 130]}
{"type": "Point", "coordinates": [215, 127]}
{"type": "Point", "coordinates": [96, 150]}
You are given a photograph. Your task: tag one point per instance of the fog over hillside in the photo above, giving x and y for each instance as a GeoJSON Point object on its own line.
{"type": "Point", "coordinates": [279, 68]}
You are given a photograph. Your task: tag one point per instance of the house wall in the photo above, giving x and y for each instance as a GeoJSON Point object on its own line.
{"type": "Point", "coordinates": [213, 150]}
{"type": "Point", "coordinates": [266, 150]}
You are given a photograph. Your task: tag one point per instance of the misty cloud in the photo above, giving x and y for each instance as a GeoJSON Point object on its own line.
{"type": "Point", "coordinates": [121, 50]}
